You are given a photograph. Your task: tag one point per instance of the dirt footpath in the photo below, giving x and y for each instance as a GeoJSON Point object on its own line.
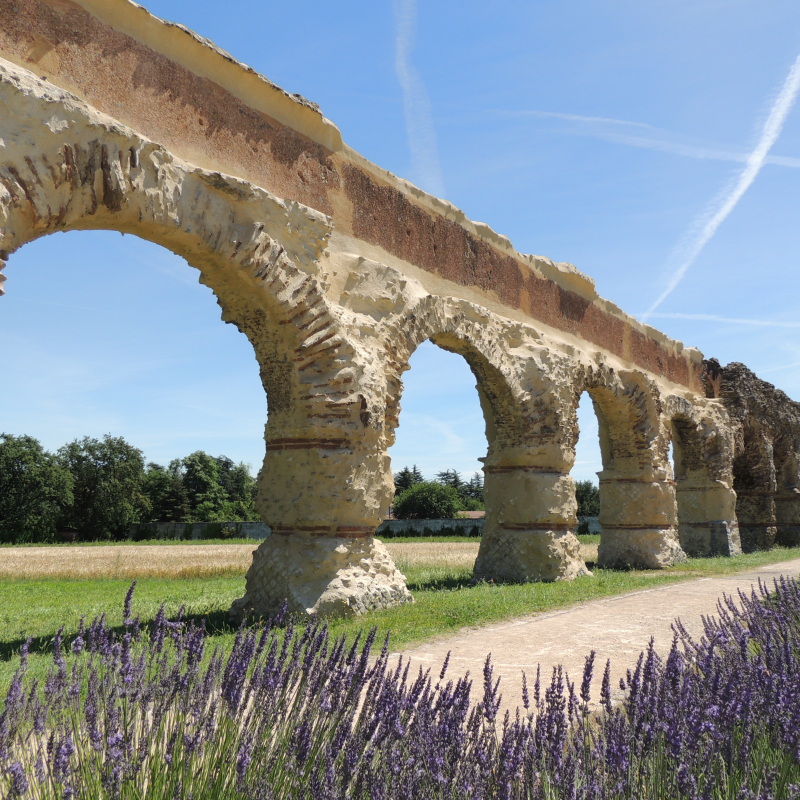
{"type": "Point", "coordinates": [618, 628]}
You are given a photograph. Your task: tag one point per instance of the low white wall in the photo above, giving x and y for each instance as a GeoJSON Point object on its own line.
{"type": "Point", "coordinates": [198, 530]}
{"type": "Point", "coordinates": [429, 527]}
{"type": "Point", "coordinates": [594, 524]}
{"type": "Point", "coordinates": [258, 530]}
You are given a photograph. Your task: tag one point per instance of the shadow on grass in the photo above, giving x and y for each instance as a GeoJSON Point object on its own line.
{"type": "Point", "coordinates": [216, 622]}
{"type": "Point", "coordinates": [440, 584]}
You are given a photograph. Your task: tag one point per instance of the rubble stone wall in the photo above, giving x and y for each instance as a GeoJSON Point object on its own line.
{"type": "Point", "coordinates": [337, 271]}
{"type": "Point", "coordinates": [765, 426]}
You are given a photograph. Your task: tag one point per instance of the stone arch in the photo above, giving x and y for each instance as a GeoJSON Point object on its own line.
{"type": "Point", "coordinates": [258, 254]}
{"type": "Point", "coordinates": [703, 446]}
{"type": "Point", "coordinates": [462, 329]}
{"type": "Point", "coordinates": [530, 515]}
{"type": "Point", "coordinates": [637, 498]}
{"type": "Point", "coordinates": [65, 166]}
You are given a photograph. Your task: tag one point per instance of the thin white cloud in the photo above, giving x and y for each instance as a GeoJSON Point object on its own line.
{"type": "Point", "coordinates": [708, 224]}
{"type": "Point", "coordinates": [573, 117]}
{"type": "Point", "coordinates": [775, 369]}
{"type": "Point", "coordinates": [425, 164]}
{"type": "Point", "coordinates": [691, 151]}
{"type": "Point", "coordinates": [19, 299]}
{"type": "Point", "coordinates": [603, 128]}
{"type": "Point", "coordinates": [766, 323]}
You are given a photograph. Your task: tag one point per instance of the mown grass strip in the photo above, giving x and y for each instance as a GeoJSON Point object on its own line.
{"type": "Point", "coordinates": [446, 601]}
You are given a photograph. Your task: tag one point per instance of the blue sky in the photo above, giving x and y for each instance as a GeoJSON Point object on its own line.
{"type": "Point", "coordinates": [622, 137]}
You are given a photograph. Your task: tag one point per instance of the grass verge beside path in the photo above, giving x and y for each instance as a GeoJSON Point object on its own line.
{"type": "Point", "coordinates": [446, 601]}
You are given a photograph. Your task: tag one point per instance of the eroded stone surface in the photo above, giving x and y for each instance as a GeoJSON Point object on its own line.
{"type": "Point", "coordinates": [321, 575]}
{"type": "Point", "coordinates": [765, 457]}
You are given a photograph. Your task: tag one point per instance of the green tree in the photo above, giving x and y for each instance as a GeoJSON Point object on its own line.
{"type": "Point", "coordinates": [207, 498]}
{"type": "Point", "coordinates": [217, 490]}
{"type": "Point", "coordinates": [470, 494]}
{"type": "Point", "coordinates": [588, 497]}
{"type": "Point", "coordinates": [108, 475]}
{"type": "Point", "coordinates": [427, 500]}
{"type": "Point", "coordinates": [165, 493]}
{"type": "Point", "coordinates": [475, 487]}
{"type": "Point", "coordinates": [450, 477]}
{"type": "Point", "coordinates": [240, 488]}
{"type": "Point", "coordinates": [406, 478]}
{"type": "Point", "coordinates": [34, 490]}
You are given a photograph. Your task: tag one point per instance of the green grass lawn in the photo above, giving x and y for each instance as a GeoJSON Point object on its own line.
{"type": "Point", "coordinates": [446, 601]}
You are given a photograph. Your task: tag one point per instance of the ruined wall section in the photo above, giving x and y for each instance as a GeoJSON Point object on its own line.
{"type": "Point", "coordinates": [179, 90]}
{"type": "Point", "coordinates": [703, 439]}
{"type": "Point", "coordinates": [766, 469]}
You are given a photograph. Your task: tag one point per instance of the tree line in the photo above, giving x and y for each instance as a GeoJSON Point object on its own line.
{"type": "Point", "coordinates": [444, 497]}
{"type": "Point", "coordinates": [441, 498]}
{"type": "Point", "coordinates": [99, 487]}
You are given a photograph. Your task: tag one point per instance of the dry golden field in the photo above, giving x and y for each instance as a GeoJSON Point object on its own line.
{"type": "Point", "coordinates": [198, 560]}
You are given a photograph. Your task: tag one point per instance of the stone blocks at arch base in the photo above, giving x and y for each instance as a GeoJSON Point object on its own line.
{"type": "Point", "coordinates": [337, 271]}
{"type": "Point", "coordinates": [321, 575]}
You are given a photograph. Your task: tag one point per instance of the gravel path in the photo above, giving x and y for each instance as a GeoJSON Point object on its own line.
{"type": "Point", "coordinates": [618, 628]}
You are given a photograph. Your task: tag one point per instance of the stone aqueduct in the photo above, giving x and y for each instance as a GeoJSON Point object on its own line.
{"type": "Point", "coordinates": [336, 270]}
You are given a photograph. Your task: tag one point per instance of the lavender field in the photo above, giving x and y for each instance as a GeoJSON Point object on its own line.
{"type": "Point", "coordinates": [290, 713]}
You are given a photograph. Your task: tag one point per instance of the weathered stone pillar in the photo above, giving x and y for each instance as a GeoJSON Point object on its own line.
{"type": "Point", "coordinates": [787, 495]}
{"type": "Point", "coordinates": [638, 511]}
{"type": "Point", "coordinates": [707, 523]}
{"type": "Point", "coordinates": [755, 509]}
{"type": "Point", "coordinates": [530, 522]}
{"type": "Point", "coordinates": [323, 500]}
{"type": "Point", "coordinates": [754, 474]}
{"type": "Point", "coordinates": [638, 515]}
{"type": "Point", "coordinates": [787, 517]}
{"type": "Point", "coordinates": [703, 445]}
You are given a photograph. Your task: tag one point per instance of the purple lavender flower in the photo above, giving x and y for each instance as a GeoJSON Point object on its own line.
{"type": "Point", "coordinates": [19, 781]}
{"type": "Point", "coordinates": [127, 620]}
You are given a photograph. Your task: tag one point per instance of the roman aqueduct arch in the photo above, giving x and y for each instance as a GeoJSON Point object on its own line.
{"type": "Point", "coordinates": [337, 271]}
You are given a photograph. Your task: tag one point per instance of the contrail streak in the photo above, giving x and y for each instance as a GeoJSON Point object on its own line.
{"type": "Point", "coordinates": [689, 150]}
{"type": "Point", "coordinates": [573, 117]}
{"type": "Point", "coordinates": [775, 369]}
{"type": "Point", "coordinates": [425, 165]}
{"type": "Point", "coordinates": [728, 320]}
{"type": "Point", "coordinates": [590, 129]}
{"type": "Point", "coordinates": [772, 129]}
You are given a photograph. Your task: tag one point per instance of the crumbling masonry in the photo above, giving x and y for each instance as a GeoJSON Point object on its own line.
{"type": "Point", "coordinates": [336, 270]}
